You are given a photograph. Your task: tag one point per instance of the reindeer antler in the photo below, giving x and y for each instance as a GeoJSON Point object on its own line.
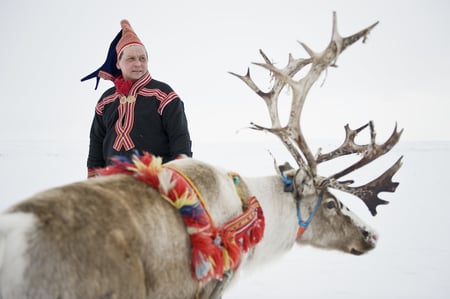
{"type": "Point", "coordinates": [291, 135]}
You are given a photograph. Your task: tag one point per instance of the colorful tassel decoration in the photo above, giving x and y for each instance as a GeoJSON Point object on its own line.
{"type": "Point", "coordinates": [214, 250]}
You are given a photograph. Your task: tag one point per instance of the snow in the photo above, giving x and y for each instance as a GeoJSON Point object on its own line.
{"type": "Point", "coordinates": [412, 258]}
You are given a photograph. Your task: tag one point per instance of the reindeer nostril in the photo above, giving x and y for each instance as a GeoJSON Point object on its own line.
{"type": "Point", "coordinates": [365, 233]}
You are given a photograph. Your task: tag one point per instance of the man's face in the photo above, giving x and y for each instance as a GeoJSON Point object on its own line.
{"type": "Point", "coordinates": [133, 62]}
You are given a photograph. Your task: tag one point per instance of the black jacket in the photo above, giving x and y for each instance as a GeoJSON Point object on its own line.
{"type": "Point", "coordinates": [151, 119]}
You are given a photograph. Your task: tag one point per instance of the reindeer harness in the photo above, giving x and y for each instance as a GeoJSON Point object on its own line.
{"type": "Point", "coordinates": [289, 186]}
{"type": "Point", "coordinates": [215, 250]}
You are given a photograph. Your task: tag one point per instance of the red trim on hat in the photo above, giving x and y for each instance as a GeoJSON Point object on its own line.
{"type": "Point", "coordinates": [105, 75]}
{"type": "Point", "coordinates": [126, 45]}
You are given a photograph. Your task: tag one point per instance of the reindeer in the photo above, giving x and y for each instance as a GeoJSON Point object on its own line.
{"type": "Point", "coordinates": [117, 237]}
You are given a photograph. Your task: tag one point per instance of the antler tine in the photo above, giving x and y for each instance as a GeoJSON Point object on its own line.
{"type": "Point", "coordinates": [269, 99]}
{"type": "Point", "coordinates": [299, 92]}
{"type": "Point", "coordinates": [348, 146]}
{"type": "Point", "coordinates": [370, 151]}
{"type": "Point", "coordinates": [347, 41]}
{"type": "Point", "coordinates": [368, 193]}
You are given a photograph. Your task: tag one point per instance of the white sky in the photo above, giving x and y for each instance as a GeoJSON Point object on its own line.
{"type": "Point", "coordinates": [399, 75]}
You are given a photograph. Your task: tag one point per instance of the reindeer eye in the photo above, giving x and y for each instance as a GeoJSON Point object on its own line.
{"type": "Point", "coordinates": [331, 205]}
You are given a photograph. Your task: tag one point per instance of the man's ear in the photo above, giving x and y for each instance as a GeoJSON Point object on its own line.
{"type": "Point", "coordinates": [117, 65]}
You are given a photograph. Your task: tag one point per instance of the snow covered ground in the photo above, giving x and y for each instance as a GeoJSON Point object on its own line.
{"type": "Point", "coordinates": [412, 259]}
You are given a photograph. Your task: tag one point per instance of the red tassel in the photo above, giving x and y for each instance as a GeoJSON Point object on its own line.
{"type": "Point", "coordinates": [150, 180]}
{"type": "Point", "coordinates": [232, 248]}
{"type": "Point", "coordinates": [257, 232]}
{"type": "Point", "coordinates": [203, 251]}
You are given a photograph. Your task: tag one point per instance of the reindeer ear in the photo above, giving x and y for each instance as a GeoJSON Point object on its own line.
{"type": "Point", "coordinates": [287, 174]}
{"type": "Point", "coordinates": [285, 167]}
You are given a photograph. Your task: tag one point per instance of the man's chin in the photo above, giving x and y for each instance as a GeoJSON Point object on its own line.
{"type": "Point", "coordinates": [137, 76]}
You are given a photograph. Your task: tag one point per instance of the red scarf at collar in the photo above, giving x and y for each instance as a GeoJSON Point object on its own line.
{"type": "Point", "coordinates": [123, 86]}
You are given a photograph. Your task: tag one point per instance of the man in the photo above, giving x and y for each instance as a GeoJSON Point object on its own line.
{"type": "Point", "coordinates": [139, 112]}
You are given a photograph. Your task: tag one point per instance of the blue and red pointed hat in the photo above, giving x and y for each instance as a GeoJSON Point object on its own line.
{"type": "Point", "coordinates": [109, 70]}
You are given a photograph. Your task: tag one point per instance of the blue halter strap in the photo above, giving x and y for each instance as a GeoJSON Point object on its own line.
{"type": "Point", "coordinates": [303, 225]}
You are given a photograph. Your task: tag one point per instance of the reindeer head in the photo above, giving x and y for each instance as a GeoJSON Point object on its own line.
{"type": "Point", "coordinates": [308, 181]}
